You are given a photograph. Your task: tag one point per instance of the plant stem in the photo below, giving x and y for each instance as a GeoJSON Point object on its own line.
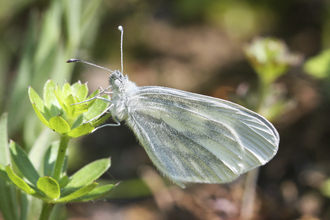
{"type": "Point", "coordinates": [251, 178]}
{"type": "Point", "coordinates": [46, 211]}
{"type": "Point", "coordinates": [249, 194]}
{"type": "Point", "coordinates": [263, 91]}
{"type": "Point", "coordinates": [60, 157]}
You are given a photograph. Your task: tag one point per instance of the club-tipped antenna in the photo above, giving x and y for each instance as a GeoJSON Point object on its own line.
{"type": "Point", "coordinates": [121, 29]}
{"type": "Point", "coordinates": [92, 64]}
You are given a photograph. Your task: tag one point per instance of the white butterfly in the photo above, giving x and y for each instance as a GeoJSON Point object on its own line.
{"type": "Point", "coordinates": [191, 137]}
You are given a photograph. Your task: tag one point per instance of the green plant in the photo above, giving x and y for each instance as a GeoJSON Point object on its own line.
{"type": "Point", "coordinates": [54, 32]}
{"type": "Point", "coordinates": [270, 58]}
{"type": "Point", "coordinates": [48, 182]}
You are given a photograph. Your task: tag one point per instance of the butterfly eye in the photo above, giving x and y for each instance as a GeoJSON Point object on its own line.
{"type": "Point", "coordinates": [117, 83]}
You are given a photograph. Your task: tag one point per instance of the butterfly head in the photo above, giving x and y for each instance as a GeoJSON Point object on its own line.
{"type": "Point", "coordinates": [121, 83]}
{"type": "Point", "coordinates": [117, 79]}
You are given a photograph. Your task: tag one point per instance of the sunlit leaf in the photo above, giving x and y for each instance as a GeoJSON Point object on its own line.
{"type": "Point", "coordinates": [49, 187]}
{"type": "Point", "coordinates": [59, 125]}
{"type": "Point", "coordinates": [18, 181]}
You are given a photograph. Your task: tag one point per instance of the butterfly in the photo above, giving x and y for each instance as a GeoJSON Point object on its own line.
{"type": "Point", "coordinates": [190, 137]}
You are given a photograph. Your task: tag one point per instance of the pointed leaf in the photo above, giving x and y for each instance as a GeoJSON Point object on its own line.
{"type": "Point", "coordinates": [83, 107]}
{"type": "Point", "coordinates": [49, 187]}
{"type": "Point", "coordinates": [78, 193]}
{"type": "Point", "coordinates": [68, 102]}
{"type": "Point", "coordinates": [18, 181]}
{"type": "Point", "coordinates": [50, 99]}
{"type": "Point", "coordinates": [4, 174]}
{"type": "Point", "coordinates": [23, 163]}
{"type": "Point", "coordinates": [81, 130]}
{"type": "Point", "coordinates": [101, 120]}
{"type": "Point", "coordinates": [80, 91]}
{"type": "Point", "coordinates": [95, 193]}
{"type": "Point", "coordinates": [318, 66]}
{"type": "Point", "coordinates": [24, 206]}
{"type": "Point", "coordinates": [89, 103]}
{"type": "Point", "coordinates": [64, 181]}
{"type": "Point", "coordinates": [66, 90]}
{"type": "Point", "coordinates": [38, 150]}
{"type": "Point", "coordinates": [40, 115]}
{"type": "Point", "coordinates": [60, 98]}
{"type": "Point", "coordinates": [59, 125]}
{"type": "Point", "coordinates": [39, 104]}
{"type": "Point", "coordinates": [134, 188]}
{"type": "Point", "coordinates": [93, 94]}
{"type": "Point", "coordinates": [97, 108]}
{"type": "Point", "coordinates": [8, 202]}
{"type": "Point", "coordinates": [34, 98]}
{"type": "Point", "coordinates": [78, 122]}
{"type": "Point", "coordinates": [89, 173]}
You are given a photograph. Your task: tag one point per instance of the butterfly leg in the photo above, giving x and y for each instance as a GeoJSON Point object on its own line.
{"type": "Point", "coordinates": [95, 97]}
{"type": "Point", "coordinates": [103, 91]}
{"type": "Point", "coordinates": [105, 111]}
{"type": "Point", "coordinates": [108, 125]}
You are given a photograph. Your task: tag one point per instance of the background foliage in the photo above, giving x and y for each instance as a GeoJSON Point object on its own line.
{"type": "Point", "coordinates": [190, 45]}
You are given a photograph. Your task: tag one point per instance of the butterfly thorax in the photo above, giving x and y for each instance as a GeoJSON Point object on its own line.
{"type": "Point", "coordinates": [122, 88]}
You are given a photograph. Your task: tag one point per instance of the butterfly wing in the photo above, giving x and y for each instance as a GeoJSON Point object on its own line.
{"type": "Point", "coordinates": [197, 138]}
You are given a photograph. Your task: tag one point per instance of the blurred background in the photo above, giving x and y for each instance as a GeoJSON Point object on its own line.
{"type": "Point", "coordinates": [269, 55]}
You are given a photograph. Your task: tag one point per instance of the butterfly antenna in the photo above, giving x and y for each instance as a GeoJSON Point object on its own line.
{"type": "Point", "coordinates": [92, 64]}
{"type": "Point", "coordinates": [121, 29]}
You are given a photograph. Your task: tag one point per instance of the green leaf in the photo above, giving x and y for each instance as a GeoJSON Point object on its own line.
{"type": "Point", "coordinates": [69, 101]}
{"type": "Point", "coordinates": [60, 98]}
{"type": "Point", "coordinates": [23, 163]}
{"type": "Point", "coordinates": [80, 91]}
{"type": "Point", "coordinates": [18, 181]}
{"type": "Point", "coordinates": [101, 120]}
{"type": "Point", "coordinates": [82, 107]}
{"type": "Point", "coordinates": [78, 122]}
{"type": "Point", "coordinates": [88, 14]}
{"type": "Point", "coordinates": [78, 193]}
{"type": "Point", "coordinates": [38, 150]}
{"type": "Point", "coordinates": [39, 104]}
{"type": "Point", "coordinates": [93, 94]}
{"type": "Point", "coordinates": [134, 188]}
{"type": "Point", "coordinates": [42, 112]}
{"type": "Point", "coordinates": [96, 109]}
{"type": "Point", "coordinates": [66, 90]}
{"type": "Point", "coordinates": [89, 173]}
{"type": "Point", "coordinates": [4, 150]}
{"type": "Point", "coordinates": [86, 175]}
{"type": "Point", "coordinates": [95, 193]}
{"type": "Point", "coordinates": [8, 202]}
{"type": "Point", "coordinates": [50, 99]}
{"type": "Point", "coordinates": [81, 130]}
{"type": "Point", "coordinates": [64, 181]}
{"type": "Point", "coordinates": [90, 103]}
{"type": "Point", "coordinates": [24, 206]}
{"type": "Point", "coordinates": [319, 66]}
{"type": "Point", "coordinates": [34, 98]}
{"type": "Point", "coordinates": [40, 116]}
{"type": "Point", "coordinates": [59, 125]}
{"type": "Point", "coordinates": [73, 20]}
{"type": "Point", "coordinates": [325, 188]}
{"type": "Point", "coordinates": [49, 187]}
{"type": "Point", "coordinates": [79, 108]}
{"type": "Point", "coordinates": [3, 173]}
